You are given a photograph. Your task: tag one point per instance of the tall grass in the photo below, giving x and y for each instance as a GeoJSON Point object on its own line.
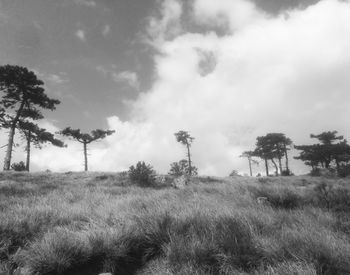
{"type": "Point", "coordinates": [89, 223]}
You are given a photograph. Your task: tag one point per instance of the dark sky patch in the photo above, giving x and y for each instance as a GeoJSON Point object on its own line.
{"type": "Point", "coordinates": [277, 6]}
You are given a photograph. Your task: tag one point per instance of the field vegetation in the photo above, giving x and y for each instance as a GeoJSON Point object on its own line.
{"type": "Point", "coordinates": [90, 223]}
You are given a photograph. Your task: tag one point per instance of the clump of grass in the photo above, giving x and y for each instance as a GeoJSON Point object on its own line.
{"type": "Point", "coordinates": [67, 252]}
{"type": "Point", "coordinates": [328, 253]}
{"type": "Point", "coordinates": [213, 245]}
{"type": "Point", "coordinates": [278, 197]}
{"type": "Point", "coordinates": [290, 268]}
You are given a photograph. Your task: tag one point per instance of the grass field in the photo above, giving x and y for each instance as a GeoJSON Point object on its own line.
{"type": "Point", "coordinates": [90, 223]}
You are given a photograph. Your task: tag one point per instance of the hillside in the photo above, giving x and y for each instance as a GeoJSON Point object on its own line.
{"type": "Point", "coordinates": [90, 223]}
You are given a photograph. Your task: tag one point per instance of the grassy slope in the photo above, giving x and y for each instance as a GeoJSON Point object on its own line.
{"type": "Point", "coordinates": [89, 223]}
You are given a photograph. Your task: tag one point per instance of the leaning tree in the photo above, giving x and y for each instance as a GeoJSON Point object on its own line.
{"type": "Point", "coordinates": [273, 147]}
{"type": "Point", "coordinates": [23, 98]}
{"type": "Point", "coordinates": [86, 138]}
{"type": "Point", "coordinates": [186, 139]}
{"type": "Point", "coordinates": [37, 136]}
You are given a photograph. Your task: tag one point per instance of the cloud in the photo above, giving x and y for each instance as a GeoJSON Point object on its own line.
{"type": "Point", "coordinates": [88, 3]}
{"type": "Point", "coordinates": [266, 74]}
{"type": "Point", "coordinates": [57, 79]}
{"type": "Point", "coordinates": [128, 77]}
{"type": "Point", "coordinates": [106, 30]}
{"type": "Point", "coordinates": [81, 35]}
{"type": "Point", "coordinates": [166, 24]}
{"type": "Point", "coordinates": [236, 14]}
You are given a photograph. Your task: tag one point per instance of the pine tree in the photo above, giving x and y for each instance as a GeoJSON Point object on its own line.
{"type": "Point", "coordinates": [185, 138]}
{"type": "Point", "coordinates": [86, 139]}
{"type": "Point", "coordinates": [24, 97]}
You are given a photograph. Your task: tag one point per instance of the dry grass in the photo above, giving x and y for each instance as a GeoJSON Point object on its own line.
{"type": "Point", "coordinates": [89, 223]}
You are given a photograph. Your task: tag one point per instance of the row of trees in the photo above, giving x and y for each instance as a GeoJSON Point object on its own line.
{"type": "Point", "coordinates": [272, 147]}
{"type": "Point", "coordinates": [24, 100]}
{"type": "Point", "coordinates": [21, 107]}
{"type": "Point", "coordinates": [332, 152]}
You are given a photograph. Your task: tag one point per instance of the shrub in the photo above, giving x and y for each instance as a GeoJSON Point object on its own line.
{"type": "Point", "coordinates": [287, 173]}
{"type": "Point", "coordinates": [344, 171]}
{"type": "Point", "coordinates": [234, 173]}
{"type": "Point", "coordinates": [18, 167]}
{"type": "Point", "coordinates": [322, 172]}
{"type": "Point", "coordinates": [142, 174]}
{"type": "Point", "coordinates": [181, 168]}
{"type": "Point", "coordinates": [278, 197]}
{"type": "Point", "coordinates": [336, 199]}
{"type": "Point", "coordinates": [263, 180]}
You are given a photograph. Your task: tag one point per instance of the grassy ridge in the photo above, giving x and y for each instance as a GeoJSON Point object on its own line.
{"type": "Point", "coordinates": [89, 223]}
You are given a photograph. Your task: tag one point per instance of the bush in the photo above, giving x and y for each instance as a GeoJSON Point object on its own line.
{"type": "Point", "coordinates": [287, 173]}
{"type": "Point", "coordinates": [344, 171]}
{"type": "Point", "coordinates": [336, 199]}
{"type": "Point", "coordinates": [18, 167]}
{"type": "Point", "coordinates": [234, 173]}
{"type": "Point", "coordinates": [322, 172]}
{"type": "Point", "coordinates": [282, 198]}
{"type": "Point", "coordinates": [181, 168]}
{"type": "Point", "coordinates": [142, 174]}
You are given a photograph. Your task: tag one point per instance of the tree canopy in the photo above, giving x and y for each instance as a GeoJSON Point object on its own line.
{"type": "Point", "coordinates": [86, 138]}
{"type": "Point", "coordinates": [23, 98]}
{"type": "Point", "coordinates": [332, 150]}
{"type": "Point", "coordinates": [273, 147]}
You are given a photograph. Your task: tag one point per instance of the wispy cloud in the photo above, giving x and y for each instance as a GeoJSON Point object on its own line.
{"type": "Point", "coordinates": [52, 78]}
{"type": "Point", "coordinates": [128, 77]}
{"type": "Point", "coordinates": [88, 3]}
{"type": "Point", "coordinates": [81, 35]}
{"type": "Point", "coordinates": [57, 78]}
{"type": "Point", "coordinates": [106, 30]}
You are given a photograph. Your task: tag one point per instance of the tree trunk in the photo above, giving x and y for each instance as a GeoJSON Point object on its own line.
{"type": "Point", "coordinates": [29, 137]}
{"type": "Point", "coordinates": [287, 160]}
{"type": "Point", "coordinates": [250, 166]}
{"type": "Point", "coordinates": [189, 160]}
{"type": "Point", "coordinates": [266, 167]}
{"type": "Point", "coordinates": [274, 163]}
{"type": "Point", "coordinates": [85, 157]}
{"type": "Point", "coordinates": [280, 164]}
{"type": "Point", "coordinates": [8, 156]}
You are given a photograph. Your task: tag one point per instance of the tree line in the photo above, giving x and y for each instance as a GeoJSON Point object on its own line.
{"type": "Point", "coordinates": [331, 152]}
{"type": "Point", "coordinates": [24, 99]}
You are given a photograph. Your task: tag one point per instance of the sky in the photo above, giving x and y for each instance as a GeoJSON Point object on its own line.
{"type": "Point", "coordinates": [227, 71]}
